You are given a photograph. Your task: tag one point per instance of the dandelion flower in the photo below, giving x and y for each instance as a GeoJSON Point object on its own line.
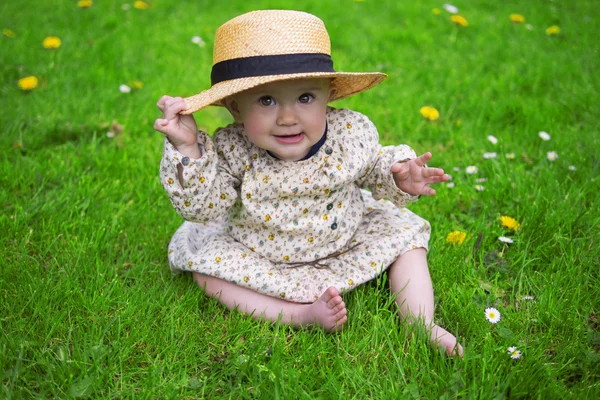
{"type": "Point", "coordinates": [124, 88]}
{"type": "Point", "coordinates": [492, 139]}
{"type": "Point", "coordinates": [515, 354]}
{"type": "Point", "coordinates": [456, 237]}
{"type": "Point", "coordinates": [8, 33]}
{"type": "Point", "coordinates": [510, 156]}
{"type": "Point", "coordinates": [510, 223]}
{"type": "Point", "coordinates": [140, 5]}
{"type": "Point", "coordinates": [471, 169]}
{"type": "Point", "coordinates": [84, 3]}
{"type": "Point", "coordinates": [450, 8]}
{"type": "Point", "coordinates": [198, 40]}
{"type": "Point", "coordinates": [553, 30]}
{"type": "Point", "coordinates": [492, 315]}
{"type": "Point", "coordinates": [436, 11]}
{"type": "Point", "coordinates": [28, 83]}
{"type": "Point", "coordinates": [51, 42]}
{"type": "Point", "coordinates": [459, 20]}
{"type": "Point", "coordinates": [505, 239]}
{"type": "Point", "coordinates": [429, 113]}
{"type": "Point", "coordinates": [517, 18]}
{"type": "Point", "coordinates": [552, 155]}
{"type": "Point", "coordinates": [572, 168]}
{"type": "Point", "coordinates": [489, 155]}
{"type": "Point", "coordinates": [544, 135]}
{"type": "Point", "coordinates": [479, 188]}
{"type": "Point", "coordinates": [136, 84]}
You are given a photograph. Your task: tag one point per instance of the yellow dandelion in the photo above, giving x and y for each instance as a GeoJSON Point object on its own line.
{"type": "Point", "coordinates": [8, 33]}
{"type": "Point", "coordinates": [510, 223]}
{"type": "Point", "coordinates": [436, 11]}
{"type": "Point", "coordinates": [28, 83]}
{"type": "Point", "coordinates": [553, 30]}
{"type": "Point", "coordinates": [429, 113]}
{"type": "Point", "coordinates": [84, 3]}
{"type": "Point", "coordinates": [140, 5]}
{"type": "Point", "coordinates": [51, 42]}
{"type": "Point", "coordinates": [459, 20]}
{"type": "Point", "coordinates": [456, 237]}
{"type": "Point", "coordinates": [517, 18]}
{"type": "Point", "coordinates": [136, 85]}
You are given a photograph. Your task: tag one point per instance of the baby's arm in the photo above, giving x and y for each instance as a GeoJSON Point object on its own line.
{"type": "Point", "coordinates": [412, 177]}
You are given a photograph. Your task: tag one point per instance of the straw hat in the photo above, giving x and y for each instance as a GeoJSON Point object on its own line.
{"type": "Point", "coordinates": [273, 45]}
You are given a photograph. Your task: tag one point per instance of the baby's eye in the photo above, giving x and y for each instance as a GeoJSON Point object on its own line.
{"type": "Point", "coordinates": [305, 98]}
{"type": "Point", "coordinates": [266, 101]}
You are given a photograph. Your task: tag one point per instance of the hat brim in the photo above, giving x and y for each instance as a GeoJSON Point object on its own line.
{"type": "Point", "coordinates": [346, 84]}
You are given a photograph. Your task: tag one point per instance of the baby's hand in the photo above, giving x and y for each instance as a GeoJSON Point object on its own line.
{"type": "Point", "coordinates": [181, 129]}
{"type": "Point", "coordinates": [412, 178]}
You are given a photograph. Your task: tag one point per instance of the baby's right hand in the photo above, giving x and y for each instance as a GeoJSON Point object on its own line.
{"type": "Point", "coordinates": [181, 129]}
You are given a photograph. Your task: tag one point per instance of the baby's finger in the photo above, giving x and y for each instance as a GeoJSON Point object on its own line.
{"type": "Point", "coordinates": [160, 125]}
{"type": "Point", "coordinates": [162, 101]}
{"type": "Point", "coordinates": [173, 107]}
{"type": "Point", "coordinates": [423, 159]}
{"type": "Point", "coordinates": [429, 172]}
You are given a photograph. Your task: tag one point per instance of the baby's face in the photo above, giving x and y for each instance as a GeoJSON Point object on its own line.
{"type": "Point", "coordinates": [286, 118]}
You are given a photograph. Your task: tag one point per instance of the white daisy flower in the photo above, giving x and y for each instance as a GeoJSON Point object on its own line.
{"type": "Point", "coordinates": [529, 27]}
{"type": "Point", "coordinates": [572, 168]}
{"type": "Point", "coordinates": [125, 7]}
{"type": "Point", "coordinates": [198, 40]}
{"type": "Point", "coordinates": [124, 88]}
{"type": "Point", "coordinates": [480, 180]}
{"type": "Point", "coordinates": [489, 155]}
{"type": "Point", "coordinates": [511, 349]}
{"type": "Point", "coordinates": [450, 184]}
{"type": "Point", "coordinates": [527, 298]}
{"type": "Point", "coordinates": [451, 9]}
{"type": "Point", "coordinates": [479, 188]}
{"type": "Point", "coordinates": [544, 135]}
{"type": "Point", "coordinates": [552, 155]}
{"type": "Point", "coordinates": [110, 134]}
{"type": "Point", "coordinates": [510, 156]}
{"type": "Point", "coordinates": [505, 239]}
{"type": "Point", "coordinates": [515, 354]}
{"type": "Point", "coordinates": [471, 169]}
{"type": "Point", "coordinates": [456, 169]}
{"type": "Point", "coordinates": [492, 315]}
{"type": "Point", "coordinates": [493, 139]}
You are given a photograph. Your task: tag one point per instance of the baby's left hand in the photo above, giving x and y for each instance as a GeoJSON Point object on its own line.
{"type": "Point", "coordinates": [413, 178]}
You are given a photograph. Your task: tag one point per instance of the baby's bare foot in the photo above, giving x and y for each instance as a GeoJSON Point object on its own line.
{"type": "Point", "coordinates": [445, 340]}
{"type": "Point", "coordinates": [329, 312]}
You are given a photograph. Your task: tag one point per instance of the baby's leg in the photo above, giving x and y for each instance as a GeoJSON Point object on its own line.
{"type": "Point", "coordinates": [328, 312]}
{"type": "Point", "coordinates": [409, 277]}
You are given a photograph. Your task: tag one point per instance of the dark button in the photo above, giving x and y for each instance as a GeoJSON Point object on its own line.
{"type": "Point", "coordinates": [334, 226]}
{"type": "Point", "coordinates": [329, 206]}
{"type": "Point", "coordinates": [328, 150]}
{"type": "Point", "coordinates": [185, 161]}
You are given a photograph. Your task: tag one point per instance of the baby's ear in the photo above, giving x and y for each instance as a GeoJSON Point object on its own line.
{"type": "Point", "coordinates": [233, 108]}
{"type": "Point", "coordinates": [332, 91]}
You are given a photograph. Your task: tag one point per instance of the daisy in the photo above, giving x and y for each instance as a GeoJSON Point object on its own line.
{"type": "Point", "coordinates": [527, 298]}
{"type": "Point", "coordinates": [479, 188]}
{"type": "Point", "coordinates": [125, 7]}
{"type": "Point", "coordinates": [529, 27]}
{"type": "Point", "coordinates": [456, 169]}
{"type": "Point", "coordinates": [515, 354]}
{"type": "Point", "coordinates": [552, 155]}
{"type": "Point", "coordinates": [572, 168]}
{"type": "Point", "coordinates": [505, 239]}
{"type": "Point", "coordinates": [124, 88]}
{"type": "Point", "coordinates": [492, 315]}
{"type": "Point", "coordinates": [450, 8]}
{"type": "Point", "coordinates": [489, 155]}
{"type": "Point", "coordinates": [481, 180]}
{"type": "Point", "coordinates": [471, 169]}
{"type": "Point", "coordinates": [544, 135]}
{"type": "Point", "coordinates": [450, 184]}
{"type": "Point", "coordinates": [198, 40]}
{"type": "Point", "coordinates": [510, 156]}
{"type": "Point", "coordinates": [492, 139]}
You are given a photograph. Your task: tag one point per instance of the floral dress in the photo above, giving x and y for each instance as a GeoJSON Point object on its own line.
{"type": "Point", "coordinates": [291, 229]}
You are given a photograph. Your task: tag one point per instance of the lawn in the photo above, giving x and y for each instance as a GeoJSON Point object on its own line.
{"type": "Point", "coordinates": [90, 309]}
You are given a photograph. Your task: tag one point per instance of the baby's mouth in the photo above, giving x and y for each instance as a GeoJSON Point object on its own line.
{"type": "Point", "coordinates": [290, 139]}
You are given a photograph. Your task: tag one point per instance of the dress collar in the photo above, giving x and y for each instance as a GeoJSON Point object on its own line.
{"type": "Point", "coordinates": [313, 149]}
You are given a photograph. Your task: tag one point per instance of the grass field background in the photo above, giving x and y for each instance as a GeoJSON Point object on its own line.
{"type": "Point", "coordinates": [89, 308]}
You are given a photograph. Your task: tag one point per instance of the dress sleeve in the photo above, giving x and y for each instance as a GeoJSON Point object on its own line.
{"type": "Point", "coordinates": [377, 176]}
{"type": "Point", "coordinates": [200, 189]}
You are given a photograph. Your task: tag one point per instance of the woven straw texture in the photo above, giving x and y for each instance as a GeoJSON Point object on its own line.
{"type": "Point", "coordinates": [275, 32]}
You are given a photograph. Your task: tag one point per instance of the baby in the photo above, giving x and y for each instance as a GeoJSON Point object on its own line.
{"type": "Point", "coordinates": [278, 224]}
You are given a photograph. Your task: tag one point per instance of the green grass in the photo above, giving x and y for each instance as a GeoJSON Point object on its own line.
{"type": "Point", "coordinates": [89, 308]}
